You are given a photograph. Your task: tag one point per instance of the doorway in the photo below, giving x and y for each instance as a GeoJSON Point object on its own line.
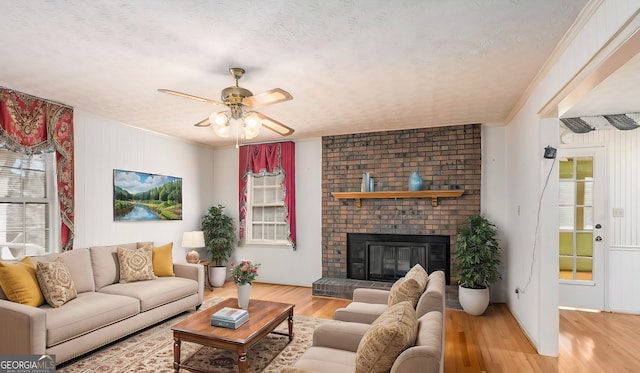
{"type": "Point", "coordinates": [582, 231]}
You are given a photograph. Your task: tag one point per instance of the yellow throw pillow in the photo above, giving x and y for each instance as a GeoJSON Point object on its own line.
{"type": "Point", "coordinates": [136, 265]}
{"type": "Point", "coordinates": [163, 260]}
{"type": "Point", "coordinates": [390, 334]}
{"type": "Point", "coordinates": [19, 284]}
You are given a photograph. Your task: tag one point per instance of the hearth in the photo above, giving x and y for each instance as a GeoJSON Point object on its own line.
{"type": "Point", "coordinates": [387, 257]}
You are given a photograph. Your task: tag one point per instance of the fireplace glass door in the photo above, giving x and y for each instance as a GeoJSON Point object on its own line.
{"type": "Point", "coordinates": [390, 261]}
{"type": "Point", "coordinates": [387, 257]}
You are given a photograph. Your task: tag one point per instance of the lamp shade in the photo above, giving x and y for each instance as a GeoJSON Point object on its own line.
{"type": "Point", "coordinates": [193, 239]}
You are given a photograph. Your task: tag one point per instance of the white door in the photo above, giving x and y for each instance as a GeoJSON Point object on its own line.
{"type": "Point", "coordinates": [582, 230]}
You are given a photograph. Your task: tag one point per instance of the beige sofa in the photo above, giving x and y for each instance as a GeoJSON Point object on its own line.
{"type": "Point", "coordinates": [104, 309]}
{"type": "Point", "coordinates": [368, 304]}
{"type": "Point", "coordinates": [364, 339]}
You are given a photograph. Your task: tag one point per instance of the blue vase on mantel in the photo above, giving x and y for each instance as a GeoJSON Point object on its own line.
{"type": "Point", "coordinates": [415, 182]}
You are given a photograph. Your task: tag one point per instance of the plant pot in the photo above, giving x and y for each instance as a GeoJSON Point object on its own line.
{"type": "Point", "coordinates": [217, 276]}
{"type": "Point", "coordinates": [474, 301]}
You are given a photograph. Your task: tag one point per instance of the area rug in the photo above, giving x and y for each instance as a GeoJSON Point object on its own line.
{"type": "Point", "coordinates": [151, 350]}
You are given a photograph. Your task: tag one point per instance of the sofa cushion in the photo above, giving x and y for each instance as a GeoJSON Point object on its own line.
{"type": "Point", "coordinates": [78, 262]}
{"type": "Point", "coordinates": [325, 359]}
{"type": "Point", "coordinates": [154, 293]}
{"type": "Point", "coordinates": [55, 282]}
{"type": "Point", "coordinates": [432, 299]}
{"type": "Point", "coordinates": [430, 329]}
{"type": "Point", "coordinates": [360, 312]}
{"type": "Point", "coordinates": [391, 333]}
{"type": "Point", "coordinates": [18, 282]}
{"type": "Point", "coordinates": [87, 312]}
{"type": "Point", "coordinates": [162, 257]}
{"type": "Point", "coordinates": [136, 265]}
{"type": "Point", "coordinates": [104, 261]}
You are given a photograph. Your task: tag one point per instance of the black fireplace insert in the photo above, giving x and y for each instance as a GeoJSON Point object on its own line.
{"type": "Point", "coordinates": [387, 257]}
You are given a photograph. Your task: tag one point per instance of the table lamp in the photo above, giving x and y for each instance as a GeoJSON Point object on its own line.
{"type": "Point", "coordinates": [193, 240]}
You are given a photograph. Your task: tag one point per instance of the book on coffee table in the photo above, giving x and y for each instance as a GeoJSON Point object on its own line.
{"type": "Point", "coordinates": [230, 324]}
{"type": "Point", "coordinates": [230, 318]}
{"type": "Point", "coordinates": [229, 314]}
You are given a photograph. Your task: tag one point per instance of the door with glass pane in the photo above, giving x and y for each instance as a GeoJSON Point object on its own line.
{"type": "Point", "coordinates": [581, 231]}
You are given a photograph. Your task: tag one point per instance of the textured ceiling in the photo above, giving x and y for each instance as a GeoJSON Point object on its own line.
{"type": "Point", "coordinates": [351, 66]}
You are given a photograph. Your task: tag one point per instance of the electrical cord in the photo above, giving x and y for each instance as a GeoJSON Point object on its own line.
{"type": "Point", "coordinates": [535, 237]}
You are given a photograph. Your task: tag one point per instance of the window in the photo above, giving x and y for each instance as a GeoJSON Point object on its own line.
{"type": "Point", "coordinates": [576, 218]}
{"type": "Point", "coordinates": [27, 204]}
{"type": "Point", "coordinates": [266, 211]}
{"type": "Point", "coordinates": [267, 194]}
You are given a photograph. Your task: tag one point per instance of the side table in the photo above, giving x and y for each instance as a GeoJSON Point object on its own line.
{"type": "Point", "coordinates": [207, 283]}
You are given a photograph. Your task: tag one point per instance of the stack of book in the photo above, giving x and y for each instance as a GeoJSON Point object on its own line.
{"type": "Point", "coordinates": [230, 318]}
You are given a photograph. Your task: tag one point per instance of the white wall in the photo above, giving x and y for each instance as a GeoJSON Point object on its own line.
{"type": "Point", "coordinates": [102, 145]}
{"type": "Point", "coordinates": [281, 265]}
{"type": "Point", "coordinates": [527, 134]}
{"type": "Point", "coordinates": [492, 202]}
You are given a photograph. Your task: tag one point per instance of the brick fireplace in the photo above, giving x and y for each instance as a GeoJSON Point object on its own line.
{"type": "Point", "coordinates": [445, 157]}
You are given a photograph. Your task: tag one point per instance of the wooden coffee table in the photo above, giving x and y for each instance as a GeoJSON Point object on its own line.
{"type": "Point", "coordinates": [264, 317]}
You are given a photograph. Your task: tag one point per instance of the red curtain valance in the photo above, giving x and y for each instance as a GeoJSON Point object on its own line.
{"type": "Point", "coordinates": [30, 125]}
{"type": "Point", "coordinates": [270, 157]}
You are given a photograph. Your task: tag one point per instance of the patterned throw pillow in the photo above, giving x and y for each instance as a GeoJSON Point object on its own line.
{"type": "Point", "coordinates": [19, 284]}
{"type": "Point", "coordinates": [419, 274]}
{"type": "Point", "coordinates": [410, 287]}
{"type": "Point", "coordinates": [136, 265]}
{"type": "Point", "coordinates": [405, 289]}
{"type": "Point", "coordinates": [55, 282]}
{"type": "Point", "coordinates": [390, 334]}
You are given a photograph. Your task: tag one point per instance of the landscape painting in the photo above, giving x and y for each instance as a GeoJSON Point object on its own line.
{"type": "Point", "coordinates": [142, 196]}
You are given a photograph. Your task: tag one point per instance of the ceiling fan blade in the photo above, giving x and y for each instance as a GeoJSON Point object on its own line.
{"type": "Point", "coordinates": [275, 126]}
{"type": "Point", "coordinates": [270, 97]}
{"type": "Point", "coordinates": [186, 95]}
{"type": "Point", "coordinates": [203, 123]}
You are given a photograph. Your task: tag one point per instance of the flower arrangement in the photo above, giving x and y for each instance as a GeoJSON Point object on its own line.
{"type": "Point", "coordinates": [244, 272]}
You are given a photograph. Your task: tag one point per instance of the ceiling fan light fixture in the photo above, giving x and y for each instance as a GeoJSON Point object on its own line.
{"type": "Point", "coordinates": [221, 130]}
{"type": "Point", "coordinates": [220, 123]}
{"type": "Point", "coordinates": [250, 132]}
{"type": "Point", "coordinates": [238, 102]}
{"type": "Point", "coordinates": [252, 120]}
{"type": "Point", "coordinates": [221, 118]}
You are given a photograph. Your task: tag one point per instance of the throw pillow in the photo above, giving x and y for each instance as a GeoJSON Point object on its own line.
{"type": "Point", "coordinates": [55, 282]}
{"type": "Point", "coordinates": [390, 334]}
{"type": "Point", "coordinates": [405, 289]}
{"type": "Point", "coordinates": [419, 274]}
{"type": "Point", "coordinates": [163, 260]}
{"type": "Point", "coordinates": [136, 265]}
{"type": "Point", "coordinates": [19, 284]}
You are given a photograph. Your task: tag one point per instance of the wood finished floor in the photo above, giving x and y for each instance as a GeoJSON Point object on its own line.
{"type": "Point", "coordinates": [494, 342]}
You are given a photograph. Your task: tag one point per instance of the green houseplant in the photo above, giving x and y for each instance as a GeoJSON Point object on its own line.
{"type": "Point", "coordinates": [219, 238]}
{"type": "Point", "coordinates": [477, 261]}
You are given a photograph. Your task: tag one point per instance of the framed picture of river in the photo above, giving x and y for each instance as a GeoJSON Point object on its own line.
{"type": "Point", "coordinates": [141, 196]}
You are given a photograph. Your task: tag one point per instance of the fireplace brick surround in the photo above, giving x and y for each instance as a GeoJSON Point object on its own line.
{"type": "Point", "coordinates": [445, 157]}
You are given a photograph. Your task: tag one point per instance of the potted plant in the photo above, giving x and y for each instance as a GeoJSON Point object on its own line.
{"type": "Point", "coordinates": [244, 273]}
{"type": "Point", "coordinates": [219, 238]}
{"type": "Point", "coordinates": [477, 261]}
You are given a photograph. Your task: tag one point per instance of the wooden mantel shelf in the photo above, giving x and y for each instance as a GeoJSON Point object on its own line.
{"type": "Point", "coordinates": [433, 194]}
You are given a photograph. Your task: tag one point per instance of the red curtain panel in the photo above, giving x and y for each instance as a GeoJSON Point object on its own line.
{"type": "Point", "coordinates": [30, 125]}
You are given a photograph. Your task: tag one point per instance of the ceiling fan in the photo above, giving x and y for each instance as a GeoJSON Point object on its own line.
{"type": "Point", "coordinates": [240, 101]}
